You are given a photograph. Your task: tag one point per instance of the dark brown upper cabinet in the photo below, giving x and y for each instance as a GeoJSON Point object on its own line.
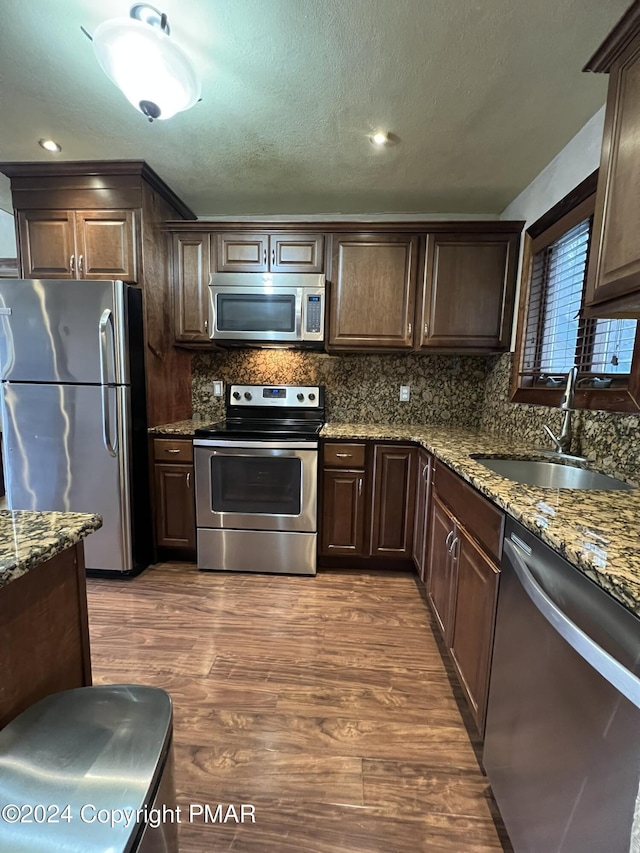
{"type": "Point", "coordinates": [372, 291]}
{"type": "Point", "coordinates": [190, 253]}
{"type": "Point", "coordinates": [77, 244]}
{"type": "Point", "coordinates": [613, 278]}
{"type": "Point", "coordinates": [467, 294]}
{"type": "Point", "coordinates": [259, 252]}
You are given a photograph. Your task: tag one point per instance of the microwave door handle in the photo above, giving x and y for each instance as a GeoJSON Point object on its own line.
{"type": "Point", "coordinates": [300, 308]}
{"type": "Point", "coordinates": [212, 313]}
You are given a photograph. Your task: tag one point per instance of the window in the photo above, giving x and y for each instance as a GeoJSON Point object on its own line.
{"type": "Point", "coordinates": [555, 332]}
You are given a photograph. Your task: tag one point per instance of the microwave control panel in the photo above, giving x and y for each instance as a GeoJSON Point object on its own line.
{"type": "Point", "coordinates": [314, 313]}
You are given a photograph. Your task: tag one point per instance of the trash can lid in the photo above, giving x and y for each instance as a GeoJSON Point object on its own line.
{"type": "Point", "coordinates": [80, 764]}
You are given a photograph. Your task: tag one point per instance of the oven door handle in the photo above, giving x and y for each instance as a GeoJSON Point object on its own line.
{"type": "Point", "coordinates": [230, 448]}
{"type": "Point", "coordinates": [254, 454]}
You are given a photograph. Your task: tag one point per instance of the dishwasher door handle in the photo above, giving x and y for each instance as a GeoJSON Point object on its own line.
{"type": "Point", "coordinates": [613, 671]}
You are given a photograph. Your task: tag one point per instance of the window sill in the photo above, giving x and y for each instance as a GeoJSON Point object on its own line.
{"type": "Point", "coordinates": [595, 399]}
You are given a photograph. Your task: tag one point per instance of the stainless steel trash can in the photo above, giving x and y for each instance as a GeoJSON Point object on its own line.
{"type": "Point", "coordinates": [90, 770]}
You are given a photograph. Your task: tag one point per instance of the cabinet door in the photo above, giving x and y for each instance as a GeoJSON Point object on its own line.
{"type": "Point", "coordinates": [468, 291]}
{"type": "Point", "coordinates": [47, 243]}
{"type": "Point", "coordinates": [372, 292]}
{"type": "Point", "coordinates": [343, 514]}
{"type": "Point", "coordinates": [421, 523]}
{"type": "Point", "coordinates": [472, 635]}
{"type": "Point", "coordinates": [614, 263]}
{"type": "Point", "coordinates": [297, 253]}
{"type": "Point", "coordinates": [393, 501]}
{"type": "Point", "coordinates": [440, 569]}
{"type": "Point", "coordinates": [106, 244]}
{"type": "Point", "coordinates": [175, 507]}
{"type": "Point", "coordinates": [241, 252]}
{"type": "Point", "coordinates": [190, 286]}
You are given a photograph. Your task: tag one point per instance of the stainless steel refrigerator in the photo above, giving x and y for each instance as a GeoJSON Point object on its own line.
{"type": "Point", "coordinates": [73, 410]}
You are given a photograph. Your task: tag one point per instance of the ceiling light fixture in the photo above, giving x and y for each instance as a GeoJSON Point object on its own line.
{"type": "Point", "coordinates": [155, 75]}
{"type": "Point", "coordinates": [383, 139]}
{"type": "Point", "coordinates": [49, 145]}
{"type": "Point", "coordinates": [379, 137]}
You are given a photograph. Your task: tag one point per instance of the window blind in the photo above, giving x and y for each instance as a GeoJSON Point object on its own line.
{"type": "Point", "coordinates": [556, 336]}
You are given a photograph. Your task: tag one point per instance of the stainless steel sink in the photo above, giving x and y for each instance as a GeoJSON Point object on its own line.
{"type": "Point", "coordinates": [550, 475]}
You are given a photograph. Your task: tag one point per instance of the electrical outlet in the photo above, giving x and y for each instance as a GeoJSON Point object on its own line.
{"type": "Point", "coordinates": [217, 388]}
{"type": "Point", "coordinates": [405, 393]}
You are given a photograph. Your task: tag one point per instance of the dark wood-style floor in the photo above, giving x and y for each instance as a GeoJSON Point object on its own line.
{"type": "Point", "coordinates": [322, 701]}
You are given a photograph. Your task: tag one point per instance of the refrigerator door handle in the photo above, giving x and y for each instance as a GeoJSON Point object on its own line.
{"type": "Point", "coordinates": [105, 320]}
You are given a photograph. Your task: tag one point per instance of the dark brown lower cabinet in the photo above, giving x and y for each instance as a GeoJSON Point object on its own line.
{"type": "Point", "coordinates": [343, 513]}
{"type": "Point", "coordinates": [473, 622]}
{"type": "Point", "coordinates": [393, 501]}
{"type": "Point", "coordinates": [441, 566]}
{"type": "Point", "coordinates": [462, 580]}
{"type": "Point", "coordinates": [175, 507]}
{"type": "Point", "coordinates": [424, 469]}
{"type": "Point", "coordinates": [368, 495]}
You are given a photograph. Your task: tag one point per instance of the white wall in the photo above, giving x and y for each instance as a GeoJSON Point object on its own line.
{"type": "Point", "coordinates": [579, 157]}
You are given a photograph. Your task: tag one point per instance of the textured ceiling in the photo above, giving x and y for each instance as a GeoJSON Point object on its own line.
{"type": "Point", "coordinates": [482, 93]}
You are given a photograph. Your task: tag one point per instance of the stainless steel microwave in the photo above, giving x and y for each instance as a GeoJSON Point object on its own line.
{"type": "Point", "coordinates": [267, 308]}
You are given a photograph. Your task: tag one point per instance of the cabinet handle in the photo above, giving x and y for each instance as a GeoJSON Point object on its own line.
{"type": "Point", "coordinates": [80, 264]}
{"type": "Point", "coordinates": [189, 479]}
{"type": "Point", "coordinates": [424, 471]}
{"type": "Point", "coordinates": [359, 486]}
{"type": "Point", "coordinates": [174, 450]}
{"type": "Point", "coordinates": [426, 330]}
{"type": "Point", "coordinates": [409, 330]}
{"type": "Point", "coordinates": [273, 257]}
{"type": "Point", "coordinates": [454, 549]}
{"type": "Point", "coordinates": [206, 325]}
{"type": "Point", "coordinates": [265, 257]}
{"type": "Point", "coordinates": [72, 263]}
{"type": "Point", "coordinates": [447, 544]}
{"type": "Point", "coordinates": [344, 455]}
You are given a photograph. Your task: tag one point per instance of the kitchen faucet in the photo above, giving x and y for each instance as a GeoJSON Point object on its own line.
{"type": "Point", "coordinates": [563, 441]}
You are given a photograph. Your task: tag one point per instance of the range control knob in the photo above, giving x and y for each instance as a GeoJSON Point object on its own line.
{"type": "Point", "coordinates": [312, 396]}
{"type": "Point", "coordinates": [236, 395]}
{"type": "Point", "coordinates": [300, 397]}
{"type": "Point", "coordinates": [247, 395]}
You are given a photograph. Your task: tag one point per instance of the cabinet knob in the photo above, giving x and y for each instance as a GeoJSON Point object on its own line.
{"type": "Point", "coordinates": [206, 325]}
{"type": "Point", "coordinates": [426, 330]}
{"type": "Point", "coordinates": [409, 330]}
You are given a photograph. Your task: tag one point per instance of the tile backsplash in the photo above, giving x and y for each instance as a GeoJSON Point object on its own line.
{"type": "Point", "coordinates": [444, 389]}
{"type": "Point", "coordinates": [611, 440]}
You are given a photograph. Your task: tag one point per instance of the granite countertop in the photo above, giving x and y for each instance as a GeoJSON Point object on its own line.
{"type": "Point", "coordinates": [181, 428]}
{"type": "Point", "coordinates": [594, 530]}
{"type": "Point", "coordinates": [30, 538]}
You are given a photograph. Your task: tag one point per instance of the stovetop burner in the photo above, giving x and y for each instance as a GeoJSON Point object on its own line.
{"type": "Point", "coordinates": [263, 412]}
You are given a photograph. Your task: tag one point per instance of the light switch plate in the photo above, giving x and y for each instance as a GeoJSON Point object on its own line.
{"type": "Point", "coordinates": [217, 387]}
{"type": "Point", "coordinates": [405, 393]}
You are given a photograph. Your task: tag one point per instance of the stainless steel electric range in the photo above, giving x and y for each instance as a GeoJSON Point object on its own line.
{"type": "Point", "coordinates": [256, 481]}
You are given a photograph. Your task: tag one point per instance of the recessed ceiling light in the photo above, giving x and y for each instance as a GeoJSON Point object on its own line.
{"type": "Point", "coordinates": [49, 145]}
{"type": "Point", "coordinates": [384, 139]}
{"type": "Point", "coordinates": [379, 137]}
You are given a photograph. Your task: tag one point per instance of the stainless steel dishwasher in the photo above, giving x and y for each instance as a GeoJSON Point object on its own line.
{"type": "Point", "coordinates": [562, 743]}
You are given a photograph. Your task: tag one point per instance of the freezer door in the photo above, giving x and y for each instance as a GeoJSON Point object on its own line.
{"type": "Point", "coordinates": [62, 454]}
{"type": "Point", "coordinates": [63, 331]}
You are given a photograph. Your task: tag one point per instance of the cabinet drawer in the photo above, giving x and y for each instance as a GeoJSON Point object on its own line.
{"type": "Point", "coordinates": [344, 455]}
{"type": "Point", "coordinates": [478, 515]}
{"type": "Point", "coordinates": [172, 450]}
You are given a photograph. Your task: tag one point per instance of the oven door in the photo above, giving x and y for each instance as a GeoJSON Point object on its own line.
{"type": "Point", "coordinates": [266, 485]}
{"type": "Point", "coordinates": [256, 312]}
